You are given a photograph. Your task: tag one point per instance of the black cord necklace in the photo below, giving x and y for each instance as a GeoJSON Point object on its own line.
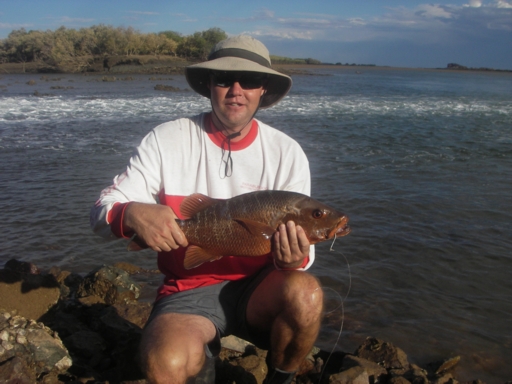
{"type": "Point", "coordinates": [228, 168]}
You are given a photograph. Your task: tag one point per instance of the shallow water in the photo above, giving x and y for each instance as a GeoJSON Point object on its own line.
{"type": "Point", "coordinates": [421, 161]}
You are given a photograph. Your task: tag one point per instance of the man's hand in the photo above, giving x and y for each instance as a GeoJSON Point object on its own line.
{"type": "Point", "coordinates": [290, 246]}
{"type": "Point", "coordinates": [156, 225]}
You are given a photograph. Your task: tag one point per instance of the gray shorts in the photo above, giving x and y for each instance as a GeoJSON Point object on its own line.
{"type": "Point", "coordinates": [224, 304]}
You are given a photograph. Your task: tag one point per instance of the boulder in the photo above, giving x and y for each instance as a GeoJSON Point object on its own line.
{"type": "Point", "coordinates": [29, 349]}
{"type": "Point", "coordinates": [111, 284]}
{"type": "Point", "coordinates": [354, 375]}
{"type": "Point", "coordinates": [27, 292]}
{"type": "Point", "coordinates": [383, 353]}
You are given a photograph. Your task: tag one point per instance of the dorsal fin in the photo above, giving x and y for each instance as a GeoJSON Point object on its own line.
{"type": "Point", "coordinates": [195, 203]}
{"type": "Point", "coordinates": [256, 228]}
{"type": "Point", "coordinates": [195, 256]}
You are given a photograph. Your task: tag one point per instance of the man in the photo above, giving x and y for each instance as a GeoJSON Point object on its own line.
{"type": "Point", "coordinates": [268, 300]}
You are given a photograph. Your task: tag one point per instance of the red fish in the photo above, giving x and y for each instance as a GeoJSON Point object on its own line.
{"type": "Point", "coordinates": [245, 224]}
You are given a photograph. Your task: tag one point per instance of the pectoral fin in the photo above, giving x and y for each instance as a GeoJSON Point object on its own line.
{"type": "Point", "coordinates": [256, 228]}
{"type": "Point", "coordinates": [195, 256]}
{"type": "Point", "coordinates": [195, 203]}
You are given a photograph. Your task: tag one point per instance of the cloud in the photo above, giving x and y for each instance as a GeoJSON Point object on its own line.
{"type": "Point", "coordinates": [14, 26]}
{"type": "Point", "coordinates": [185, 18]}
{"type": "Point", "coordinates": [423, 24]}
{"type": "Point", "coordinates": [428, 10]}
{"type": "Point", "coordinates": [142, 12]}
{"type": "Point", "coordinates": [68, 20]}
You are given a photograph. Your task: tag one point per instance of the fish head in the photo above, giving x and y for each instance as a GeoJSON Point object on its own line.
{"type": "Point", "coordinates": [319, 221]}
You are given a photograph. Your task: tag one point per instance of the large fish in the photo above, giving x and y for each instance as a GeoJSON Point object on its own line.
{"type": "Point", "coordinates": [245, 224]}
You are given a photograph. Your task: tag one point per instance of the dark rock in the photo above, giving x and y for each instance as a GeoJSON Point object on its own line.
{"type": "Point", "coordinates": [441, 366]}
{"type": "Point", "coordinates": [416, 375]}
{"type": "Point", "coordinates": [16, 371]}
{"type": "Point", "coordinates": [383, 353]}
{"type": "Point", "coordinates": [85, 343]}
{"type": "Point", "coordinates": [376, 373]}
{"type": "Point", "coordinates": [21, 267]}
{"type": "Point", "coordinates": [168, 88]}
{"type": "Point", "coordinates": [112, 284]}
{"type": "Point", "coordinates": [135, 313]}
{"type": "Point", "coordinates": [354, 375]}
{"type": "Point", "coordinates": [398, 380]}
{"type": "Point", "coordinates": [30, 347]}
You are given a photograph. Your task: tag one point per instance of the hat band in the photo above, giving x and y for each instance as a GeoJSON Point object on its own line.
{"type": "Point", "coordinates": [241, 53]}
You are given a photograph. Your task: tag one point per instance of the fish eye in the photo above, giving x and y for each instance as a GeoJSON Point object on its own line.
{"type": "Point", "coordinates": [318, 214]}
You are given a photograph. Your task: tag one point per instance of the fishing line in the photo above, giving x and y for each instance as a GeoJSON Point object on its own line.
{"type": "Point", "coordinates": [340, 306]}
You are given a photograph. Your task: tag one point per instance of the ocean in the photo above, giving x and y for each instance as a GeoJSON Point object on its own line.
{"type": "Point", "coordinates": [420, 160]}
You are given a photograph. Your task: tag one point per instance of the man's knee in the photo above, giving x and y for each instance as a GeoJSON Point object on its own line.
{"type": "Point", "coordinates": [304, 294]}
{"type": "Point", "coordinates": [164, 353]}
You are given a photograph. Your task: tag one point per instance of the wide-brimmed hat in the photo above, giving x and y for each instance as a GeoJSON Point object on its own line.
{"type": "Point", "coordinates": [239, 53]}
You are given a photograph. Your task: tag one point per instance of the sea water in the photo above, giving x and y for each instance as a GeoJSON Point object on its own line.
{"type": "Point", "coordinates": [420, 160]}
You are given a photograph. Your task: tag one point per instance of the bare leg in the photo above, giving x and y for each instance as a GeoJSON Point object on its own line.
{"type": "Point", "coordinates": [288, 304]}
{"type": "Point", "coordinates": [172, 347]}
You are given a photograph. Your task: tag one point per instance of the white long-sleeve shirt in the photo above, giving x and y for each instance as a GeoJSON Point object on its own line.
{"type": "Point", "coordinates": [186, 156]}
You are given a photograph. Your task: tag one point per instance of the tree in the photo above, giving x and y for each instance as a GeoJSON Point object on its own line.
{"type": "Point", "coordinates": [199, 45]}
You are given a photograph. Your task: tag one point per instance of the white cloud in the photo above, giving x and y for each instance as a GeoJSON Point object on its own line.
{"type": "Point", "coordinates": [429, 10]}
{"type": "Point", "coordinates": [14, 26]}
{"type": "Point", "coordinates": [67, 20]}
{"type": "Point", "coordinates": [142, 12]}
{"type": "Point", "coordinates": [474, 4]}
{"type": "Point", "coordinates": [504, 4]}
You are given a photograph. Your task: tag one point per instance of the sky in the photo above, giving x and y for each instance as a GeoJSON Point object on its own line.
{"type": "Point", "coordinates": [400, 33]}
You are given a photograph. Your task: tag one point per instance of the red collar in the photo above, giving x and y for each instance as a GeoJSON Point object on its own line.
{"type": "Point", "coordinates": [219, 139]}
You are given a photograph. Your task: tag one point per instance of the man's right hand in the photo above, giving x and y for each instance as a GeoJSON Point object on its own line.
{"type": "Point", "coordinates": [156, 225]}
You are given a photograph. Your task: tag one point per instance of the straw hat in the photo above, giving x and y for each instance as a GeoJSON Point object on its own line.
{"type": "Point", "coordinates": [239, 53]}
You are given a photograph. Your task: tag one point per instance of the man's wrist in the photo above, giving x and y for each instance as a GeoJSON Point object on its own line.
{"type": "Point", "coordinates": [288, 266]}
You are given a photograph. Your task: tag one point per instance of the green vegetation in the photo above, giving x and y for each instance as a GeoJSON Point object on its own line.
{"type": "Point", "coordinates": [70, 48]}
{"type": "Point", "coordinates": [103, 46]}
{"type": "Point", "coordinates": [287, 60]}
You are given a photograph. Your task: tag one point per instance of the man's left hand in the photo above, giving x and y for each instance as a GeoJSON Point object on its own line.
{"type": "Point", "coordinates": [290, 246]}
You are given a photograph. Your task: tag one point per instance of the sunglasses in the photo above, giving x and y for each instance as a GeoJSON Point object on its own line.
{"type": "Point", "coordinates": [247, 80]}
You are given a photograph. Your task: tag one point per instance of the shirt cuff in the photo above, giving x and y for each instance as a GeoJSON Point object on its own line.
{"type": "Point", "coordinates": [115, 218]}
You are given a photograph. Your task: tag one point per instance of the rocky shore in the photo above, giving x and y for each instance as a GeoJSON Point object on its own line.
{"type": "Point", "coordinates": [60, 327]}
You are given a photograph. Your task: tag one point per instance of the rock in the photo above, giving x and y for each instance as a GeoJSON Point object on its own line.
{"type": "Point", "coordinates": [375, 371]}
{"type": "Point", "coordinates": [30, 349]}
{"type": "Point", "coordinates": [445, 379]}
{"type": "Point", "coordinates": [383, 353]}
{"type": "Point", "coordinates": [168, 88]}
{"type": "Point", "coordinates": [398, 380]}
{"type": "Point", "coordinates": [441, 366]}
{"type": "Point", "coordinates": [354, 375]}
{"type": "Point", "coordinates": [416, 375]}
{"type": "Point", "coordinates": [85, 343]}
{"type": "Point", "coordinates": [135, 313]}
{"type": "Point", "coordinates": [234, 343]}
{"type": "Point", "coordinates": [254, 365]}
{"type": "Point", "coordinates": [112, 284]}
{"type": "Point", "coordinates": [16, 371]}
{"type": "Point", "coordinates": [30, 295]}
{"type": "Point", "coordinates": [21, 267]}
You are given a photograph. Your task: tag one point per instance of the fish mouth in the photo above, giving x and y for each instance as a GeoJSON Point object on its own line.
{"type": "Point", "coordinates": [341, 228]}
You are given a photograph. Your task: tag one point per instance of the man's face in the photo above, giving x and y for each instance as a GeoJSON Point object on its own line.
{"type": "Point", "coordinates": [235, 97]}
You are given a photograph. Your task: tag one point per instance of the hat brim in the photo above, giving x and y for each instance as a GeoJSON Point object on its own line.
{"type": "Point", "coordinates": [198, 77]}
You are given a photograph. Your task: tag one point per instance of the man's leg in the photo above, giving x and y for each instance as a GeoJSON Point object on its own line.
{"type": "Point", "coordinates": [172, 347]}
{"type": "Point", "coordinates": [288, 305]}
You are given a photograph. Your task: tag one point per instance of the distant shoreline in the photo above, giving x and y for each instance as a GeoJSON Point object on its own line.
{"type": "Point", "coordinates": [146, 64]}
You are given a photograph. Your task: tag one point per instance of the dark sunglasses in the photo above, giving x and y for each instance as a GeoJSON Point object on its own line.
{"type": "Point", "coordinates": [247, 80]}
